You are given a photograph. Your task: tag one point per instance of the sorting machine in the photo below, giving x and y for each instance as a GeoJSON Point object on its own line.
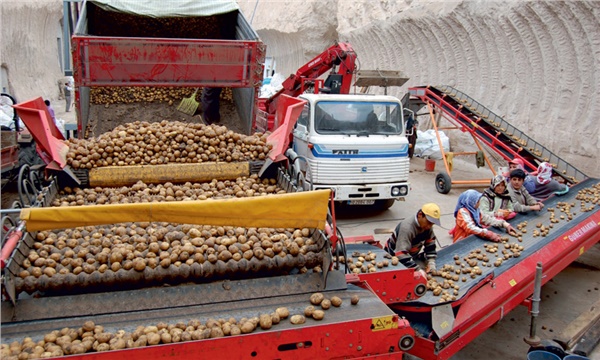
{"type": "Point", "coordinates": [367, 329]}
{"type": "Point", "coordinates": [443, 327]}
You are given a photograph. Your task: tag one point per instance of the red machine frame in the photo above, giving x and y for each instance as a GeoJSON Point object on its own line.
{"type": "Point", "coordinates": [339, 58]}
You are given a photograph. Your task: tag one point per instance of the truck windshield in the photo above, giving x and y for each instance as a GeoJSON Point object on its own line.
{"type": "Point", "coordinates": [358, 118]}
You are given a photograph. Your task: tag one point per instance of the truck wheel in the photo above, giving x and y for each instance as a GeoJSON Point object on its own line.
{"type": "Point", "coordinates": [443, 183]}
{"type": "Point", "coordinates": [384, 204]}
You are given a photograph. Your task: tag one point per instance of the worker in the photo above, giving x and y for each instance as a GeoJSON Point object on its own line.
{"type": "Point", "coordinates": [411, 133]}
{"type": "Point", "coordinates": [471, 221]}
{"type": "Point", "coordinates": [210, 104]}
{"type": "Point", "coordinates": [517, 163]}
{"type": "Point", "coordinates": [50, 110]}
{"type": "Point", "coordinates": [416, 234]}
{"type": "Point", "coordinates": [543, 185]}
{"type": "Point", "coordinates": [68, 90]}
{"type": "Point", "coordinates": [522, 201]}
{"type": "Point", "coordinates": [496, 201]}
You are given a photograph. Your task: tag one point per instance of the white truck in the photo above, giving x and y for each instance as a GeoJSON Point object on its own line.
{"type": "Point", "coordinates": [353, 144]}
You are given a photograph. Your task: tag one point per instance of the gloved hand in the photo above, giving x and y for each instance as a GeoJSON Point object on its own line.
{"type": "Point", "coordinates": [430, 266]}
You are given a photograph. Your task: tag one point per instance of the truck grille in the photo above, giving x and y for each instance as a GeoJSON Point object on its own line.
{"type": "Point", "coordinates": [358, 172]}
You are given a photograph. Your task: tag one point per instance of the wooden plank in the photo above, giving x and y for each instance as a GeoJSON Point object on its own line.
{"type": "Point", "coordinates": [578, 327]}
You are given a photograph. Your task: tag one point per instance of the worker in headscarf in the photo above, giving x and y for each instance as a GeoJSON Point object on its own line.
{"type": "Point", "coordinates": [416, 234]}
{"type": "Point", "coordinates": [543, 185]}
{"type": "Point", "coordinates": [495, 200]}
{"type": "Point", "coordinates": [471, 221]}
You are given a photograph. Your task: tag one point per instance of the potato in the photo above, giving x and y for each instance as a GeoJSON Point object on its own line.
{"type": "Point", "coordinates": [283, 312]}
{"type": "Point", "coordinates": [247, 327]}
{"type": "Point", "coordinates": [153, 338]}
{"type": "Point", "coordinates": [354, 299]}
{"type": "Point", "coordinates": [336, 301]}
{"type": "Point", "coordinates": [318, 314]}
{"type": "Point", "coordinates": [326, 304]}
{"type": "Point", "coordinates": [235, 330]}
{"type": "Point", "coordinates": [316, 298]}
{"type": "Point", "coordinates": [141, 341]}
{"type": "Point", "coordinates": [297, 319]}
{"type": "Point", "coordinates": [75, 349]}
{"type": "Point", "coordinates": [275, 319]}
{"type": "Point", "coordinates": [265, 321]}
{"type": "Point", "coordinates": [308, 311]}
{"type": "Point", "coordinates": [165, 338]}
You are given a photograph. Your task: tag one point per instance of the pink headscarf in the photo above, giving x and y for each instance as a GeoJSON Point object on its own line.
{"type": "Point", "coordinates": [544, 175]}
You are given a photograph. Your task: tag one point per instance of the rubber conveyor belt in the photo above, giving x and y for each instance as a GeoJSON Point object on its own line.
{"type": "Point", "coordinates": [530, 243]}
{"type": "Point", "coordinates": [370, 306]}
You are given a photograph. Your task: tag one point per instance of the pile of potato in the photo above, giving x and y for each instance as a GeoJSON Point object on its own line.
{"type": "Point", "coordinates": [144, 143]}
{"type": "Point", "coordinates": [134, 255]}
{"type": "Point", "coordinates": [94, 338]}
{"type": "Point", "coordinates": [144, 193]}
{"type": "Point", "coordinates": [134, 94]}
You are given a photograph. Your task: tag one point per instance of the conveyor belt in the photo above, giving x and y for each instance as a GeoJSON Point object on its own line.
{"type": "Point", "coordinates": [380, 253]}
{"type": "Point", "coordinates": [497, 133]}
{"type": "Point", "coordinates": [530, 243]}
{"type": "Point", "coordinates": [370, 306]}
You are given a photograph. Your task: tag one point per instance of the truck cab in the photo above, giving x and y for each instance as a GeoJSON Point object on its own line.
{"type": "Point", "coordinates": [353, 144]}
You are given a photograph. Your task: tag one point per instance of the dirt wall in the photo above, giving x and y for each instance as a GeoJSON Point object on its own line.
{"type": "Point", "coordinates": [535, 63]}
{"type": "Point", "coordinates": [29, 51]}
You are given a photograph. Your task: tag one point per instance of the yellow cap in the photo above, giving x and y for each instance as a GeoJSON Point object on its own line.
{"type": "Point", "coordinates": [432, 213]}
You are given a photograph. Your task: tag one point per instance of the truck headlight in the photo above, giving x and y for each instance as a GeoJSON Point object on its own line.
{"type": "Point", "coordinates": [399, 190]}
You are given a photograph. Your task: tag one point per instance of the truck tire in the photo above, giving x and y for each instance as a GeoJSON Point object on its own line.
{"type": "Point", "coordinates": [385, 204]}
{"type": "Point", "coordinates": [443, 183]}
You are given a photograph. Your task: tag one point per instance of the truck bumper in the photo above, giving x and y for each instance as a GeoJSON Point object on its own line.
{"type": "Point", "coordinates": [363, 194]}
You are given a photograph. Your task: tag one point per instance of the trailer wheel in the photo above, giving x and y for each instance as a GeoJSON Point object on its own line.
{"type": "Point", "coordinates": [27, 191]}
{"type": "Point", "coordinates": [406, 343]}
{"type": "Point", "coordinates": [443, 183]}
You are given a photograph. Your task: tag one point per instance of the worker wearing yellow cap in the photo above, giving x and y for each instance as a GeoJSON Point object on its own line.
{"type": "Point", "coordinates": [412, 235]}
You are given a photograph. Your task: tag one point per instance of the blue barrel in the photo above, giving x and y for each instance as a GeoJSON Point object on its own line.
{"type": "Point", "coordinates": [542, 355]}
{"type": "Point", "coordinates": [575, 357]}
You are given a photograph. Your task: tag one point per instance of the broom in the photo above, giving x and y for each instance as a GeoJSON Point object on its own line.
{"type": "Point", "coordinates": [189, 105]}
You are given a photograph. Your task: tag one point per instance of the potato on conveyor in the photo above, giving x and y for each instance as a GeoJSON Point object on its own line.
{"type": "Point", "coordinates": [336, 301]}
{"type": "Point", "coordinates": [318, 314]}
{"type": "Point", "coordinates": [297, 319]}
{"type": "Point", "coordinates": [265, 321]}
{"type": "Point", "coordinates": [354, 299]}
{"type": "Point", "coordinates": [316, 298]}
{"type": "Point", "coordinates": [283, 312]}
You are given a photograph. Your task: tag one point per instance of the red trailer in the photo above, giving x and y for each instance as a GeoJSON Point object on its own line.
{"type": "Point", "coordinates": [202, 45]}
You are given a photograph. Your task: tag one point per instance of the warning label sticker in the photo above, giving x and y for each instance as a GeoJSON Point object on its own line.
{"type": "Point", "coordinates": [384, 323]}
